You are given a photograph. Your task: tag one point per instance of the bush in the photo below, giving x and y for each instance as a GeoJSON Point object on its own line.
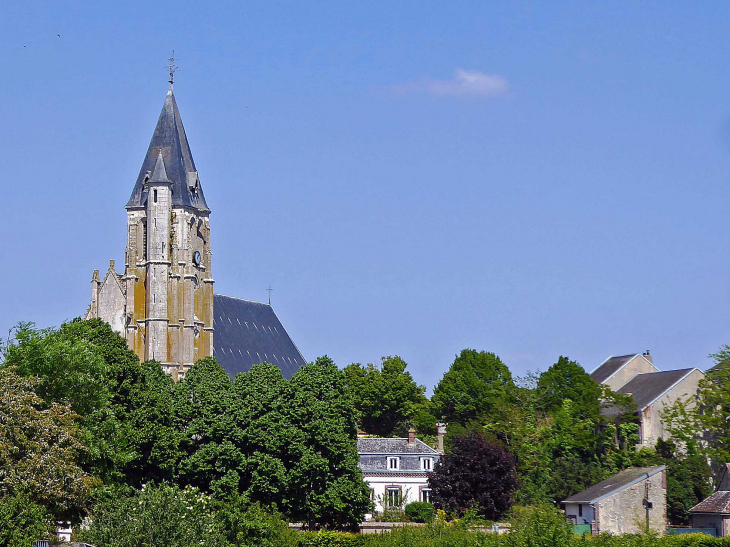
{"type": "Point", "coordinates": [540, 526]}
{"type": "Point", "coordinates": [22, 522]}
{"type": "Point", "coordinates": [420, 511]}
{"type": "Point", "coordinates": [246, 525]}
{"type": "Point", "coordinates": [156, 516]}
{"type": "Point", "coordinates": [326, 538]}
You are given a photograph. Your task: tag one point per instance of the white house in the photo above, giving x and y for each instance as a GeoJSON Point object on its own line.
{"type": "Point", "coordinates": [396, 469]}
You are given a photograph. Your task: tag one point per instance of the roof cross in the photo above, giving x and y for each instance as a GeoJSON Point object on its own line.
{"type": "Point", "coordinates": [172, 67]}
{"type": "Point", "coordinates": [269, 289]}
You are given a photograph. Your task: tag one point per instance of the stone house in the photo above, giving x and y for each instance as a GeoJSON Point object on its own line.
{"type": "Point", "coordinates": [396, 469]}
{"type": "Point", "coordinates": [651, 389]}
{"type": "Point", "coordinates": [714, 512]}
{"type": "Point", "coordinates": [631, 501]}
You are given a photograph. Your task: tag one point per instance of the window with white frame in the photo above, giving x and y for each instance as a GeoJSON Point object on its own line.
{"type": "Point", "coordinates": [393, 496]}
{"type": "Point", "coordinates": [427, 464]}
{"type": "Point", "coordinates": [426, 495]}
{"type": "Point", "coordinates": [393, 463]}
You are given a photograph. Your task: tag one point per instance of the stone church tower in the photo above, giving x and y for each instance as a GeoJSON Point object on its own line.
{"type": "Point", "coordinates": [163, 304]}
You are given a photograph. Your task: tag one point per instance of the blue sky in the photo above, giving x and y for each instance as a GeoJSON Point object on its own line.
{"type": "Point", "coordinates": [412, 178]}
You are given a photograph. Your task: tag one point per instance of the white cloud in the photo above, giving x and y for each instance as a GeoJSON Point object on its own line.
{"type": "Point", "coordinates": [465, 83]}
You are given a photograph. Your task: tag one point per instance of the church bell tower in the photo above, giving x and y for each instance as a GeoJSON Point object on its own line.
{"type": "Point", "coordinates": [163, 304]}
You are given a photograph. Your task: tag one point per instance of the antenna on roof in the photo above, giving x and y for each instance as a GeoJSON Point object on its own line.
{"type": "Point", "coordinates": [172, 68]}
{"type": "Point", "coordinates": [269, 289]}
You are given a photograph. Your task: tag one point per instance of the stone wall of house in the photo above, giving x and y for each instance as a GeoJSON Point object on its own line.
{"type": "Point", "coordinates": [638, 365]}
{"type": "Point", "coordinates": [624, 512]}
{"type": "Point", "coordinates": [652, 424]}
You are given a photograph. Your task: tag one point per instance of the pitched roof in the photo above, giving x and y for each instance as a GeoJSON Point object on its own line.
{"type": "Point", "coordinates": [648, 387]}
{"type": "Point", "coordinates": [383, 445]}
{"type": "Point", "coordinates": [606, 369]}
{"type": "Point", "coordinates": [247, 333]}
{"type": "Point", "coordinates": [170, 140]}
{"type": "Point", "coordinates": [620, 481]}
{"type": "Point", "coordinates": [719, 502]}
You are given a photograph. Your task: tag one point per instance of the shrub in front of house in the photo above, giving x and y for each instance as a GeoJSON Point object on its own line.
{"type": "Point", "coordinates": [328, 538]}
{"type": "Point", "coordinates": [420, 511]}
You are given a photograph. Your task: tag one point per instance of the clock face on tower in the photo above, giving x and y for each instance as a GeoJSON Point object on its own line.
{"type": "Point", "coordinates": [196, 258]}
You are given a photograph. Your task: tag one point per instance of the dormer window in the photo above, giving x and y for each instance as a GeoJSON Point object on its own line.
{"type": "Point", "coordinates": [393, 463]}
{"type": "Point", "coordinates": [427, 464]}
{"type": "Point", "coordinates": [193, 181]}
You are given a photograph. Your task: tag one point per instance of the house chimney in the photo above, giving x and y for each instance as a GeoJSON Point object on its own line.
{"type": "Point", "coordinates": [411, 436]}
{"type": "Point", "coordinates": [648, 357]}
{"type": "Point", "coordinates": [441, 433]}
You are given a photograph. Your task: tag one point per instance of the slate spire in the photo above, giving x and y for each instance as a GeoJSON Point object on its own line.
{"type": "Point", "coordinates": [171, 144]}
{"type": "Point", "coordinates": [159, 174]}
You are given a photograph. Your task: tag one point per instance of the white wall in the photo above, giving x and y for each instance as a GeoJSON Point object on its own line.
{"type": "Point", "coordinates": [410, 488]}
{"type": "Point", "coordinates": [571, 510]}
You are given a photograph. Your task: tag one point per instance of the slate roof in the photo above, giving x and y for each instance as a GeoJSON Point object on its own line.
{"type": "Point", "coordinates": [620, 481]}
{"type": "Point", "coordinates": [610, 366]}
{"type": "Point", "coordinates": [719, 502]}
{"type": "Point", "coordinates": [382, 445]}
{"type": "Point", "coordinates": [648, 387]}
{"type": "Point", "coordinates": [247, 333]}
{"type": "Point", "coordinates": [170, 139]}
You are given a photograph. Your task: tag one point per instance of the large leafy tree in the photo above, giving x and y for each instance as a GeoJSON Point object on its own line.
{"type": "Point", "coordinates": [262, 432]}
{"type": "Point", "coordinates": [566, 379]}
{"type": "Point", "coordinates": [703, 423]}
{"type": "Point", "coordinates": [325, 487]}
{"type": "Point", "coordinates": [477, 474]}
{"type": "Point", "coordinates": [477, 387]}
{"type": "Point", "coordinates": [388, 399]}
{"type": "Point", "coordinates": [202, 400]}
{"type": "Point", "coordinates": [123, 408]}
{"type": "Point", "coordinates": [40, 449]}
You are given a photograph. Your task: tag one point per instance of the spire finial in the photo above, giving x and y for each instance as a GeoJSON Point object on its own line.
{"type": "Point", "coordinates": [269, 289]}
{"type": "Point", "coordinates": [172, 68]}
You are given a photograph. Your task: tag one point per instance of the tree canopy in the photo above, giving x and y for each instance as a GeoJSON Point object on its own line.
{"type": "Point", "coordinates": [388, 399]}
{"type": "Point", "coordinates": [477, 474]}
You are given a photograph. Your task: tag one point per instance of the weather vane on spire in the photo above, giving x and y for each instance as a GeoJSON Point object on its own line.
{"type": "Point", "coordinates": [172, 67]}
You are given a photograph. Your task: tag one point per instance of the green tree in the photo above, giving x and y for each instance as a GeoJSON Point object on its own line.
{"type": "Point", "coordinates": [145, 431]}
{"type": "Point", "coordinates": [388, 399]}
{"type": "Point", "coordinates": [202, 401]}
{"type": "Point", "coordinates": [124, 409]}
{"type": "Point", "coordinates": [70, 369]}
{"type": "Point", "coordinates": [566, 379]}
{"type": "Point", "coordinates": [262, 432]}
{"type": "Point", "coordinates": [22, 521]}
{"type": "Point", "coordinates": [477, 387]}
{"type": "Point", "coordinates": [40, 449]}
{"type": "Point", "coordinates": [325, 487]}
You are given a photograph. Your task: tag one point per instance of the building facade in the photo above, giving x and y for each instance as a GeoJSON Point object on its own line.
{"type": "Point", "coordinates": [713, 513]}
{"type": "Point", "coordinates": [630, 502]}
{"type": "Point", "coordinates": [163, 302]}
{"type": "Point", "coordinates": [651, 389]}
{"type": "Point", "coordinates": [396, 470]}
